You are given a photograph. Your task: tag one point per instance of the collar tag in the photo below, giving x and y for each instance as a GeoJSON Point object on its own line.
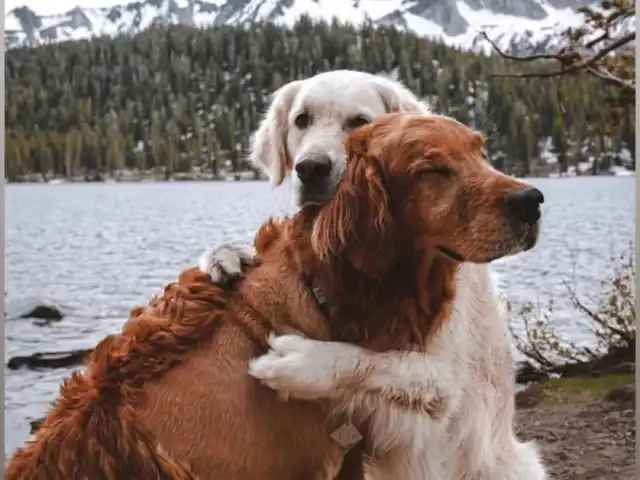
{"type": "Point", "coordinates": [346, 435]}
{"type": "Point", "coordinates": [319, 294]}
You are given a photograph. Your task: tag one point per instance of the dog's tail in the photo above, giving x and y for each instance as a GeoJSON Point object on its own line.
{"type": "Point", "coordinates": [100, 442]}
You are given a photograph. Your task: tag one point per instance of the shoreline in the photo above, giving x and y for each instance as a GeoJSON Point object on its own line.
{"type": "Point", "coordinates": [584, 427]}
{"type": "Point", "coordinates": [132, 176]}
{"type": "Point", "coordinates": [248, 177]}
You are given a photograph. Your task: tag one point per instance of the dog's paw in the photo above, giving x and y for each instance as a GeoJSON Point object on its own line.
{"type": "Point", "coordinates": [227, 262]}
{"type": "Point", "coordinates": [295, 367]}
{"type": "Point", "coordinates": [436, 407]}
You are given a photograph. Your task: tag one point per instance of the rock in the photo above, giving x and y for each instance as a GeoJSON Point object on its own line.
{"type": "Point", "coordinates": [527, 373]}
{"type": "Point", "coordinates": [32, 308]}
{"type": "Point", "coordinates": [624, 367]}
{"type": "Point", "coordinates": [44, 312]}
{"type": "Point", "coordinates": [624, 396]}
{"type": "Point", "coordinates": [620, 360]}
{"type": "Point", "coordinates": [35, 424]}
{"type": "Point", "coordinates": [529, 397]}
{"type": "Point", "coordinates": [49, 360]}
{"type": "Point", "coordinates": [617, 360]}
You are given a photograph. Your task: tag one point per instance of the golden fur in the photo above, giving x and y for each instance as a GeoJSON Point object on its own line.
{"type": "Point", "coordinates": [418, 197]}
{"type": "Point", "coordinates": [169, 397]}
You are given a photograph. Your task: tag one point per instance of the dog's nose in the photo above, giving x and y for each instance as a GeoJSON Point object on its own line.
{"type": "Point", "coordinates": [314, 169]}
{"type": "Point", "coordinates": [525, 204]}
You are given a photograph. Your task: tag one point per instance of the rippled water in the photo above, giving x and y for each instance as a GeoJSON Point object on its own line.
{"type": "Point", "coordinates": [97, 250]}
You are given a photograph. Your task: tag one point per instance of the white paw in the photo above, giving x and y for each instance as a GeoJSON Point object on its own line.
{"type": "Point", "coordinates": [296, 367]}
{"type": "Point", "coordinates": [226, 262]}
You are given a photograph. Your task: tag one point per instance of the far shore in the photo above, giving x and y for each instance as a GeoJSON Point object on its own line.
{"type": "Point", "coordinates": [244, 175]}
{"type": "Point", "coordinates": [150, 176]}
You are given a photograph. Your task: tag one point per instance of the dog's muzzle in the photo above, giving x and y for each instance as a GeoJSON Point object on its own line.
{"type": "Point", "coordinates": [524, 205]}
{"type": "Point", "coordinates": [314, 175]}
{"type": "Point", "coordinates": [525, 212]}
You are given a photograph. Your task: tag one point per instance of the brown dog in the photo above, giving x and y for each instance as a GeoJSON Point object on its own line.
{"type": "Point", "coordinates": [170, 397]}
{"type": "Point", "coordinates": [401, 251]}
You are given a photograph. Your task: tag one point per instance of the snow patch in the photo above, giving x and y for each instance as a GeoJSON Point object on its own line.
{"type": "Point", "coordinates": [424, 27]}
{"type": "Point", "coordinates": [622, 172]}
{"type": "Point", "coordinates": [11, 23]}
{"type": "Point", "coordinates": [139, 15]}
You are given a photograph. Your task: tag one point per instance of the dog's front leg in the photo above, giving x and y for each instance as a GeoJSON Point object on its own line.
{"type": "Point", "coordinates": [312, 369]}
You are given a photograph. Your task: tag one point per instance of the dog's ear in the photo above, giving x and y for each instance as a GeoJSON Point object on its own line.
{"type": "Point", "coordinates": [356, 224]}
{"type": "Point", "coordinates": [397, 98]}
{"type": "Point", "coordinates": [269, 143]}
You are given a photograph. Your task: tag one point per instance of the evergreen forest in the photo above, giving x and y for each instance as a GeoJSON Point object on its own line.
{"type": "Point", "coordinates": [176, 100]}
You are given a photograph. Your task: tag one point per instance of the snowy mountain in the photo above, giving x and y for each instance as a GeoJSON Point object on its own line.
{"type": "Point", "coordinates": [516, 25]}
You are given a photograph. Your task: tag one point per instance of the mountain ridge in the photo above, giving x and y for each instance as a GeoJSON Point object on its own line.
{"type": "Point", "coordinates": [517, 26]}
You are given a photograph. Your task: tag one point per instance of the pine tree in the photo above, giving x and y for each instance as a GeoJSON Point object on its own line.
{"type": "Point", "coordinates": [560, 145]}
{"type": "Point", "coordinates": [165, 97]}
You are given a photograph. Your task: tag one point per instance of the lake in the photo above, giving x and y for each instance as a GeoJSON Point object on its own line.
{"type": "Point", "coordinates": [97, 250]}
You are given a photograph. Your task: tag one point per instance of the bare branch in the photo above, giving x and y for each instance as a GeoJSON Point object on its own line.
{"type": "Point", "coordinates": [613, 17]}
{"type": "Point", "coordinates": [563, 57]}
{"type": "Point", "coordinates": [517, 58]}
{"type": "Point", "coordinates": [607, 77]}
{"type": "Point", "coordinates": [595, 317]}
{"type": "Point", "coordinates": [533, 351]}
{"type": "Point", "coordinates": [612, 323]}
{"type": "Point", "coordinates": [601, 38]}
{"type": "Point", "coordinates": [588, 49]}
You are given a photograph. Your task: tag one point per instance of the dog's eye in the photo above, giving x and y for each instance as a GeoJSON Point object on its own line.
{"type": "Point", "coordinates": [303, 120]}
{"type": "Point", "coordinates": [440, 171]}
{"type": "Point", "coordinates": [356, 122]}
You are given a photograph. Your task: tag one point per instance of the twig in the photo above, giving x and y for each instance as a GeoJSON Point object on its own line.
{"type": "Point", "coordinates": [611, 79]}
{"type": "Point", "coordinates": [597, 40]}
{"type": "Point", "coordinates": [596, 318]}
{"type": "Point", "coordinates": [533, 351]}
{"type": "Point", "coordinates": [624, 296]}
{"type": "Point", "coordinates": [605, 35]}
{"type": "Point", "coordinates": [518, 58]}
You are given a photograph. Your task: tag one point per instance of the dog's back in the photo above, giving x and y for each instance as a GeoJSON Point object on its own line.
{"type": "Point", "coordinates": [170, 397]}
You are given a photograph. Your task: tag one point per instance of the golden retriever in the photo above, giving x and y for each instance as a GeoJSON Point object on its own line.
{"type": "Point", "coordinates": [408, 236]}
{"type": "Point", "coordinates": [170, 398]}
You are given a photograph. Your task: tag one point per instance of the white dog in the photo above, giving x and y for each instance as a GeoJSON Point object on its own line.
{"type": "Point", "coordinates": [302, 135]}
{"type": "Point", "coordinates": [469, 359]}
{"type": "Point", "coordinates": [303, 130]}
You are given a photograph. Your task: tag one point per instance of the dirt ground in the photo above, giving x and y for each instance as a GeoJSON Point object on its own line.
{"type": "Point", "coordinates": [585, 431]}
{"type": "Point", "coordinates": [585, 428]}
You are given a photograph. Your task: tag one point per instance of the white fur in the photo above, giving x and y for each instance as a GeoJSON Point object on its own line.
{"type": "Point", "coordinates": [469, 364]}
{"type": "Point", "coordinates": [330, 98]}
{"type": "Point", "coordinates": [226, 261]}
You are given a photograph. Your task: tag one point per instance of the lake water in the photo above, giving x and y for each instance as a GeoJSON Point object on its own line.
{"type": "Point", "coordinates": [97, 250]}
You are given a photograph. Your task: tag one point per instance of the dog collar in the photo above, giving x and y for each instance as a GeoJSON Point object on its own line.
{"type": "Point", "coordinates": [319, 296]}
{"type": "Point", "coordinates": [346, 435]}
